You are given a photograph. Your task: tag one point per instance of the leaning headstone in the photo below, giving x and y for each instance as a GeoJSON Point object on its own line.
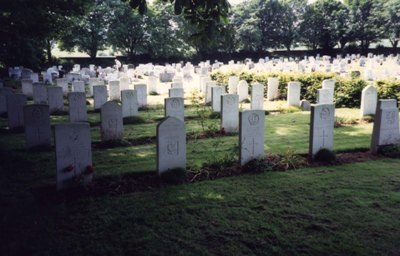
{"type": "Point", "coordinates": [78, 86]}
{"type": "Point", "coordinates": [324, 96]}
{"type": "Point", "coordinates": [232, 84]}
{"type": "Point", "coordinates": [27, 87]}
{"type": "Point", "coordinates": [243, 90]}
{"type": "Point", "coordinates": [73, 155]}
{"type": "Point", "coordinates": [55, 99]}
{"type": "Point", "coordinates": [129, 103]}
{"type": "Point", "coordinates": [305, 105]}
{"type": "Point", "coordinates": [386, 125]}
{"type": "Point", "coordinates": [37, 125]}
{"type": "Point", "coordinates": [293, 95]}
{"type": "Point", "coordinates": [15, 106]}
{"type": "Point", "coordinates": [251, 135]}
{"type": "Point", "coordinates": [321, 130]}
{"type": "Point", "coordinates": [99, 96]}
{"type": "Point", "coordinates": [111, 121]}
{"type": "Point", "coordinates": [230, 112]}
{"type": "Point", "coordinates": [273, 88]}
{"type": "Point", "coordinates": [257, 96]}
{"type": "Point", "coordinates": [216, 93]}
{"type": "Point", "coordinates": [141, 94]}
{"type": "Point", "coordinates": [369, 100]}
{"type": "Point", "coordinates": [114, 90]}
{"type": "Point", "coordinates": [174, 107]}
{"type": "Point", "coordinates": [171, 145]}
{"type": "Point", "coordinates": [77, 107]}
{"type": "Point", "coordinates": [39, 93]}
{"type": "Point", "coordinates": [3, 99]}
{"type": "Point", "coordinates": [176, 93]}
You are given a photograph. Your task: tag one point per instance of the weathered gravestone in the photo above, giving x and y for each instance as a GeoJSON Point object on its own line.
{"type": "Point", "coordinates": [321, 127]}
{"type": "Point", "coordinates": [37, 125]}
{"type": "Point", "coordinates": [171, 145]}
{"type": "Point", "coordinates": [99, 96]}
{"type": "Point", "coordinates": [369, 100]}
{"type": "Point", "coordinates": [77, 107]}
{"type": "Point", "coordinates": [305, 105]}
{"type": "Point", "coordinates": [55, 99]}
{"type": "Point", "coordinates": [111, 121]}
{"type": "Point", "coordinates": [273, 88]}
{"type": "Point", "coordinates": [251, 135]}
{"type": "Point", "coordinates": [257, 96]}
{"type": "Point", "coordinates": [3, 99]}
{"type": "Point", "coordinates": [243, 90]}
{"type": "Point", "coordinates": [175, 93]}
{"type": "Point", "coordinates": [78, 86]}
{"type": "Point", "coordinates": [230, 112]}
{"type": "Point", "coordinates": [325, 96]}
{"type": "Point", "coordinates": [293, 95]}
{"type": "Point", "coordinates": [386, 125]}
{"type": "Point", "coordinates": [114, 90]}
{"type": "Point", "coordinates": [27, 87]}
{"type": "Point", "coordinates": [63, 83]}
{"type": "Point", "coordinates": [232, 84]}
{"type": "Point", "coordinates": [39, 93]}
{"type": "Point", "coordinates": [174, 107]}
{"type": "Point", "coordinates": [216, 93]}
{"type": "Point", "coordinates": [141, 91]}
{"type": "Point", "coordinates": [73, 155]}
{"type": "Point", "coordinates": [15, 112]}
{"type": "Point", "coordinates": [130, 104]}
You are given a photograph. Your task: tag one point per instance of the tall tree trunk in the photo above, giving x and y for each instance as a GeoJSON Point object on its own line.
{"type": "Point", "coordinates": [48, 51]}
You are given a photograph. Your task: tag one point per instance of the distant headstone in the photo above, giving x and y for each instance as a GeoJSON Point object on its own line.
{"type": "Point", "coordinates": [99, 96]}
{"type": "Point", "coordinates": [141, 94]}
{"type": "Point", "coordinates": [77, 107]}
{"type": "Point", "coordinates": [171, 145]}
{"type": "Point", "coordinates": [257, 96]}
{"type": "Point", "coordinates": [73, 154]}
{"type": "Point", "coordinates": [177, 85]}
{"type": "Point", "coordinates": [251, 135]}
{"type": "Point", "coordinates": [114, 90]}
{"type": "Point", "coordinates": [55, 99]}
{"type": "Point", "coordinates": [37, 125]}
{"type": "Point", "coordinates": [78, 86]}
{"type": "Point", "coordinates": [3, 99]}
{"type": "Point", "coordinates": [27, 87]}
{"type": "Point", "coordinates": [63, 83]}
{"type": "Point", "coordinates": [39, 93]}
{"type": "Point", "coordinates": [93, 82]}
{"type": "Point", "coordinates": [386, 125]}
{"type": "Point", "coordinates": [216, 93]}
{"type": "Point", "coordinates": [232, 84]}
{"type": "Point", "coordinates": [321, 130]}
{"type": "Point", "coordinates": [176, 93]}
{"type": "Point", "coordinates": [324, 96]}
{"type": "Point", "coordinates": [273, 88]}
{"type": "Point", "coordinates": [15, 105]}
{"type": "Point", "coordinates": [174, 107]}
{"type": "Point", "coordinates": [230, 112]}
{"type": "Point", "coordinates": [124, 83]}
{"type": "Point", "coordinates": [209, 85]}
{"type": "Point", "coordinates": [243, 90]}
{"type": "Point", "coordinates": [305, 105]}
{"type": "Point", "coordinates": [111, 121]}
{"type": "Point", "coordinates": [152, 84]}
{"type": "Point", "coordinates": [130, 104]}
{"type": "Point", "coordinates": [369, 100]}
{"type": "Point", "coordinates": [34, 77]}
{"type": "Point", "coordinates": [293, 95]}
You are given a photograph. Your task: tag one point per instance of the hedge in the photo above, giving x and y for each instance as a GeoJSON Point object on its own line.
{"type": "Point", "coordinates": [347, 90]}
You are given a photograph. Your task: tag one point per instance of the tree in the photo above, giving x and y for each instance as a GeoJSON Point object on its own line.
{"type": "Point", "coordinates": [269, 15]}
{"type": "Point", "coordinates": [392, 26]}
{"type": "Point", "coordinates": [309, 28]}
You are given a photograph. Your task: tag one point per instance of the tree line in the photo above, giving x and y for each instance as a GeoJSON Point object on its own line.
{"type": "Point", "coordinates": [29, 29]}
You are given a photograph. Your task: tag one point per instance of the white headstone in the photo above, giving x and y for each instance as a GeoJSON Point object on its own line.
{"type": "Point", "coordinates": [35, 77]}
{"type": "Point", "coordinates": [216, 93]}
{"type": "Point", "coordinates": [141, 94]}
{"type": "Point", "coordinates": [37, 125]}
{"type": "Point", "coordinates": [369, 100]}
{"type": "Point", "coordinates": [63, 82]}
{"type": "Point", "coordinates": [321, 130]}
{"type": "Point", "coordinates": [243, 90]}
{"type": "Point", "coordinates": [257, 96]}
{"type": "Point", "coordinates": [232, 84]}
{"type": "Point", "coordinates": [174, 107]}
{"type": "Point", "coordinates": [93, 82]}
{"type": "Point", "coordinates": [230, 112]}
{"type": "Point", "coordinates": [39, 93]}
{"type": "Point", "coordinates": [99, 95]}
{"type": "Point", "coordinates": [124, 83]}
{"type": "Point", "coordinates": [130, 104]}
{"type": "Point", "coordinates": [15, 105]}
{"type": "Point", "coordinates": [114, 90]}
{"type": "Point", "coordinates": [324, 96]}
{"type": "Point", "coordinates": [27, 87]}
{"type": "Point", "coordinates": [171, 145]}
{"type": "Point", "coordinates": [273, 88]}
{"type": "Point", "coordinates": [251, 135]}
{"type": "Point", "coordinates": [111, 121]}
{"type": "Point", "coordinates": [152, 84]}
{"type": "Point", "coordinates": [73, 154]}
{"type": "Point", "coordinates": [209, 85]}
{"type": "Point", "coordinates": [386, 124]}
{"type": "Point", "coordinates": [78, 86]}
{"type": "Point", "coordinates": [177, 85]}
{"type": "Point", "coordinates": [55, 99]}
{"type": "Point", "coordinates": [77, 107]}
{"type": "Point", "coordinates": [175, 93]}
{"type": "Point", "coordinates": [293, 94]}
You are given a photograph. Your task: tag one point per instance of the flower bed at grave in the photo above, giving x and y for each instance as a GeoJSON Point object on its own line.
{"type": "Point", "coordinates": [347, 90]}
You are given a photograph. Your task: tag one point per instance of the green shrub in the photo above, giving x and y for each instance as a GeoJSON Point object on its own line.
{"type": "Point", "coordinates": [325, 155]}
{"type": "Point", "coordinates": [174, 176]}
{"type": "Point", "coordinates": [388, 89]}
